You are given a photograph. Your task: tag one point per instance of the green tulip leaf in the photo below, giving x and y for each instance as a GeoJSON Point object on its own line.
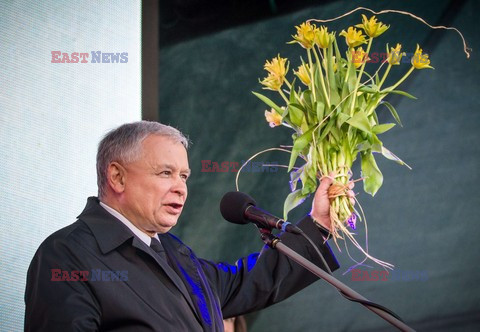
{"type": "Point", "coordinates": [300, 144]}
{"type": "Point", "coordinates": [269, 102]}
{"type": "Point", "coordinates": [326, 130]}
{"type": "Point", "coordinates": [403, 93]}
{"type": "Point", "coordinates": [296, 114]}
{"type": "Point", "coordinates": [392, 111]}
{"type": "Point", "coordinates": [368, 89]}
{"type": "Point", "coordinates": [373, 178]}
{"type": "Point", "coordinates": [352, 77]}
{"type": "Point", "coordinates": [360, 121]}
{"type": "Point", "coordinates": [336, 133]}
{"type": "Point", "coordinates": [334, 96]}
{"type": "Point", "coordinates": [364, 146]}
{"type": "Point", "coordinates": [293, 200]}
{"type": "Point", "coordinates": [381, 128]}
{"type": "Point", "coordinates": [293, 97]}
{"type": "Point", "coordinates": [390, 155]}
{"type": "Point", "coordinates": [294, 177]}
{"type": "Point", "coordinates": [309, 186]}
{"type": "Point", "coordinates": [341, 119]}
{"type": "Point", "coordinates": [376, 144]}
{"type": "Point", "coordinates": [320, 111]}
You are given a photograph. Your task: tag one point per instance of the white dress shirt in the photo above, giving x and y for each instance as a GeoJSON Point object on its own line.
{"type": "Point", "coordinates": [137, 232]}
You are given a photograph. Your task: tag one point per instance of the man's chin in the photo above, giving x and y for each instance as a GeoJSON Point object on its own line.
{"type": "Point", "coordinates": [166, 225]}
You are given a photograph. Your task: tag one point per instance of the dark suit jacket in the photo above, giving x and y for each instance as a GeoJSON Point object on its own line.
{"type": "Point", "coordinates": [128, 287]}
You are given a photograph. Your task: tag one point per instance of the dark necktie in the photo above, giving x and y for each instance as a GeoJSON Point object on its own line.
{"type": "Point", "coordinates": [159, 249]}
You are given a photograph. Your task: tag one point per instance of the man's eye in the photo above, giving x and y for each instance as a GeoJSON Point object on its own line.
{"type": "Point", "coordinates": [184, 176]}
{"type": "Point", "coordinates": [164, 173]}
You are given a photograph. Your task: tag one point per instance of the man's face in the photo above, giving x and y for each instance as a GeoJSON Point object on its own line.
{"type": "Point", "coordinates": [156, 185]}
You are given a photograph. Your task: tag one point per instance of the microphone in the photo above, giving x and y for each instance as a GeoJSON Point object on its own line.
{"type": "Point", "coordinates": [239, 208]}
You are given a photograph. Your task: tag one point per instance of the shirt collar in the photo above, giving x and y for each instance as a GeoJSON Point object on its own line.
{"type": "Point", "coordinates": [137, 232]}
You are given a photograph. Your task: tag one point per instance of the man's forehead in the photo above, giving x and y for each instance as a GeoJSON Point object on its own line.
{"type": "Point", "coordinates": [158, 143]}
{"type": "Point", "coordinates": [163, 139]}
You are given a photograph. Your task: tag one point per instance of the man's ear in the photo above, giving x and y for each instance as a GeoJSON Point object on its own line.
{"type": "Point", "coordinates": [116, 174]}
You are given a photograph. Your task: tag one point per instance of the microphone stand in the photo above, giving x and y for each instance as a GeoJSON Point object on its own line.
{"type": "Point", "coordinates": [275, 243]}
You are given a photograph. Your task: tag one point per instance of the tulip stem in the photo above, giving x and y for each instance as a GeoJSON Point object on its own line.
{"type": "Point", "coordinates": [384, 76]}
{"type": "Point", "coordinates": [387, 90]}
{"type": "Point", "coordinates": [401, 80]}
{"type": "Point", "coordinates": [319, 64]}
{"type": "Point", "coordinates": [312, 77]}
{"type": "Point", "coordinates": [287, 83]}
{"type": "Point", "coordinates": [321, 165]}
{"type": "Point", "coordinates": [360, 77]}
{"type": "Point", "coordinates": [283, 96]}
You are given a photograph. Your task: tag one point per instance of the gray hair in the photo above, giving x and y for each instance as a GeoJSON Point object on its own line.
{"type": "Point", "coordinates": [124, 144]}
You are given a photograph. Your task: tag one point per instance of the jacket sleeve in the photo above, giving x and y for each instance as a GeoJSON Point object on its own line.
{"type": "Point", "coordinates": [260, 280]}
{"type": "Point", "coordinates": [56, 297]}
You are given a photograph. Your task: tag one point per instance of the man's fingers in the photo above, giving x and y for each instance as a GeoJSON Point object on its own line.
{"type": "Point", "coordinates": [326, 182]}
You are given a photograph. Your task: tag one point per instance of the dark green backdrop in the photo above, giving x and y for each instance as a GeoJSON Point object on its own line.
{"type": "Point", "coordinates": [421, 220]}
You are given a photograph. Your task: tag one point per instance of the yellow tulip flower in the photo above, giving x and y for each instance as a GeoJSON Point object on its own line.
{"type": "Point", "coordinates": [371, 27]}
{"type": "Point", "coordinates": [353, 37]}
{"type": "Point", "coordinates": [305, 35]}
{"type": "Point", "coordinates": [419, 60]}
{"type": "Point", "coordinates": [395, 55]}
{"type": "Point", "coordinates": [272, 82]}
{"type": "Point", "coordinates": [273, 118]}
{"type": "Point", "coordinates": [303, 73]}
{"type": "Point", "coordinates": [322, 37]}
{"type": "Point", "coordinates": [359, 56]}
{"type": "Point", "coordinates": [277, 69]}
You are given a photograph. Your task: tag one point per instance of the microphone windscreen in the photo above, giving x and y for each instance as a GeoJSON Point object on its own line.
{"type": "Point", "coordinates": [233, 206]}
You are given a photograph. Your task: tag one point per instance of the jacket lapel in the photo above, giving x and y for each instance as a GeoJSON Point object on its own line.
{"type": "Point", "coordinates": [111, 233]}
{"type": "Point", "coordinates": [168, 270]}
{"type": "Point", "coordinates": [188, 268]}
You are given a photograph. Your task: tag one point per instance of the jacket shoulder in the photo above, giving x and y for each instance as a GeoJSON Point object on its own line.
{"type": "Point", "coordinates": [71, 237]}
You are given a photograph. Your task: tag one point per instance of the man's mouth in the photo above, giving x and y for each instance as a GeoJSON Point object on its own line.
{"type": "Point", "coordinates": [174, 208]}
{"type": "Point", "coordinates": [175, 205]}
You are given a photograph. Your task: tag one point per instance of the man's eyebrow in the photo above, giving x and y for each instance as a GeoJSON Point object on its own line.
{"type": "Point", "coordinates": [169, 166]}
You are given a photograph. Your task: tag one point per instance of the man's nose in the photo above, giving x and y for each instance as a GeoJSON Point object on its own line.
{"type": "Point", "coordinates": [180, 187]}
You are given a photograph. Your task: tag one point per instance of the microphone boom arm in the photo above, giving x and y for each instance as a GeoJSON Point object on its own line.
{"type": "Point", "coordinates": [275, 243]}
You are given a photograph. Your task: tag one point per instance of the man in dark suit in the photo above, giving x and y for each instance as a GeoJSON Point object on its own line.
{"type": "Point", "coordinates": [118, 269]}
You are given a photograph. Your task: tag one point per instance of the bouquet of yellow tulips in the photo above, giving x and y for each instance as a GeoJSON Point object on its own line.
{"type": "Point", "coordinates": [332, 111]}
